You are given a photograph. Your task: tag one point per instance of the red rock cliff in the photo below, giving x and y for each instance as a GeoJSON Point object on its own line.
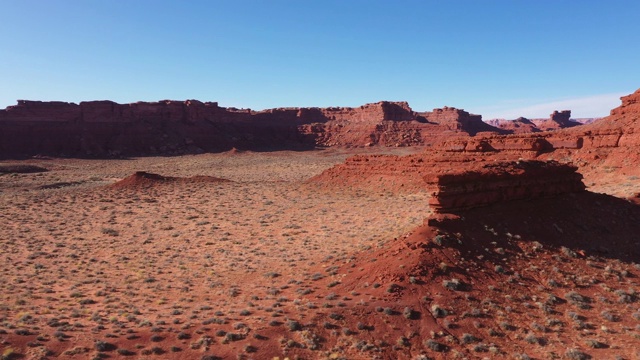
{"type": "Point", "coordinates": [499, 182]}
{"type": "Point", "coordinates": [106, 128]}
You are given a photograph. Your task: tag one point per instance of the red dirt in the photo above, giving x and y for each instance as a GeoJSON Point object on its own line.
{"type": "Point", "coordinates": [517, 263]}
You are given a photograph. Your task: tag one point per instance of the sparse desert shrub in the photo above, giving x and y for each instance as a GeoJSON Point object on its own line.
{"type": "Point", "coordinates": [595, 344]}
{"type": "Point", "coordinates": [435, 346]}
{"type": "Point", "coordinates": [294, 325]}
{"type": "Point", "coordinates": [125, 352]}
{"type": "Point", "coordinates": [609, 316]}
{"type": "Point", "coordinates": [100, 345]}
{"type": "Point", "coordinates": [403, 341]}
{"type": "Point", "coordinates": [468, 339]}
{"type": "Point", "coordinates": [110, 231]}
{"type": "Point", "coordinates": [437, 311]}
{"type": "Point", "coordinates": [480, 348]}
{"type": "Point", "coordinates": [578, 300]}
{"type": "Point", "coordinates": [439, 240]}
{"type": "Point", "coordinates": [623, 297]}
{"type": "Point", "coordinates": [553, 283]}
{"type": "Point", "coordinates": [409, 314]}
{"type": "Point", "coordinates": [210, 357]}
{"type": "Point", "coordinates": [521, 357]}
{"type": "Point", "coordinates": [506, 326]}
{"type": "Point", "coordinates": [575, 354]}
{"type": "Point", "coordinates": [531, 339]}
{"type": "Point", "coordinates": [156, 338]}
{"type": "Point", "coordinates": [452, 284]}
{"type": "Point", "coordinates": [229, 337]}
{"type": "Point", "coordinates": [393, 288]}
{"type": "Point", "coordinates": [568, 252]}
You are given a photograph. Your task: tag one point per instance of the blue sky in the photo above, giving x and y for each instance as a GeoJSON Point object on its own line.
{"type": "Point", "coordinates": [495, 58]}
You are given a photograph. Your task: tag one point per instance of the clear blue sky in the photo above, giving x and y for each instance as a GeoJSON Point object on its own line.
{"type": "Point", "coordinates": [496, 58]}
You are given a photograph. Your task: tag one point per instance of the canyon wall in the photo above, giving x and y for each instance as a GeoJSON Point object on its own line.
{"type": "Point", "coordinates": [106, 128]}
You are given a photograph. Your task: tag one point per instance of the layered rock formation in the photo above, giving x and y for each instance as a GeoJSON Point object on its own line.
{"type": "Point", "coordinates": [454, 181]}
{"type": "Point", "coordinates": [618, 130]}
{"type": "Point", "coordinates": [500, 182]}
{"type": "Point", "coordinates": [464, 171]}
{"type": "Point", "coordinates": [106, 128]}
{"type": "Point", "coordinates": [517, 126]}
{"type": "Point", "coordinates": [557, 120]}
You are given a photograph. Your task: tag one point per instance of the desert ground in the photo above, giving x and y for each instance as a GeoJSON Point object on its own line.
{"type": "Point", "coordinates": [122, 264]}
{"type": "Point", "coordinates": [236, 256]}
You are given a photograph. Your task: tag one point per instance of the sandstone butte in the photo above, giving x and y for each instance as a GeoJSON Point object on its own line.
{"type": "Point", "coordinates": [109, 129]}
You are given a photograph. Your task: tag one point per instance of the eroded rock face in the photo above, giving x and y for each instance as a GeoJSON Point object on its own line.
{"type": "Point", "coordinates": [517, 126]}
{"type": "Point", "coordinates": [106, 128]}
{"type": "Point", "coordinates": [557, 120]}
{"type": "Point", "coordinates": [499, 182]}
{"type": "Point", "coordinates": [455, 181]}
{"type": "Point", "coordinates": [620, 130]}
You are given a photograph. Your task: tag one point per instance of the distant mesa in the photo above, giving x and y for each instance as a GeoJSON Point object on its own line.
{"type": "Point", "coordinates": [557, 120]}
{"type": "Point", "coordinates": [107, 129]}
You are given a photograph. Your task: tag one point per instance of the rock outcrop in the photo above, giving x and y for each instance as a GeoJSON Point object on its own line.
{"type": "Point", "coordinates": [455, 182]}
{"type": "Point", "coordinates": [500, 182]}
{"type": "Point", "coordinates": [517, 126]}
{"type": "Point", "coordinates": [458, 119]}
{"type": "Point", "coordinates": [557, 120]}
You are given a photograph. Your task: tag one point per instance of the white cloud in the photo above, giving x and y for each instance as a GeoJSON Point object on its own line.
{"type": "Point", "coordinates": [584, 107]}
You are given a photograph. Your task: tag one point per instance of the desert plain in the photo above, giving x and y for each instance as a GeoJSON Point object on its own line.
{"type": "Point", "coordinates": [336, 252]}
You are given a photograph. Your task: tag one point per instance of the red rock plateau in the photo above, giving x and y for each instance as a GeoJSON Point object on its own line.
{"type": "Point", "coordinates": [105, 128]}
{"type": "Point", "coordinates": [477, 245]}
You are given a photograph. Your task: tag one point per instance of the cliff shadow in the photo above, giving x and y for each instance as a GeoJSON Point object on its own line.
{"type": "Point", "coordinates": [580, 224]}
